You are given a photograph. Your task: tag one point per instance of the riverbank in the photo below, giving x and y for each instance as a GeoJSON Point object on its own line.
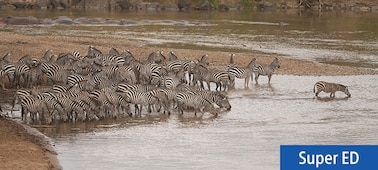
{"type": "Point", "coordinates": [19, 45]}
{"type": "Point", "coordinates": [22, 150]}
{"type": "Point", "coordinates": [23, 147]}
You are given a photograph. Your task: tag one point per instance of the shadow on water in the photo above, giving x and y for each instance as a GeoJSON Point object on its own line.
{"type": "Point", "coordinates": [329, 99]}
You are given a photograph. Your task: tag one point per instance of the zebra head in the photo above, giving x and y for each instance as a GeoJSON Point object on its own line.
{"type": "Point", "coordinates": [345, 90]}
{"type": "Point", "coordinates": [275, 63]}
{"type": "Point", "coordinates": [205, 60]}
{"type": "Point", "coordinates": [223, 101]}
{"type": "Point", "coordinates": [172, 56]}
{"type": "Point", "coordinates": [253, 64]}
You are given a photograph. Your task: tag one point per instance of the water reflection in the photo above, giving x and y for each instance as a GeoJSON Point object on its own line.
{"type": "Point", "coordinates": [327, 99]}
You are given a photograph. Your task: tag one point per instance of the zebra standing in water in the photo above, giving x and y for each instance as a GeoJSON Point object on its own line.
{"type": "Point", "coordinates": [197, 102]}
{"type": "Point", "coordinates": [263, 70]}
{"type": "Point", "coordinates": [330, 88]}
{"type": "Point", "coordinates": [33, 105]}
{"type": "Point", "coordinates": [241, 72]}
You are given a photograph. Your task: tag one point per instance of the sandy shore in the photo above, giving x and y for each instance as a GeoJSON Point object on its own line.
{"type": "Point", "coordinates": [23, 148]}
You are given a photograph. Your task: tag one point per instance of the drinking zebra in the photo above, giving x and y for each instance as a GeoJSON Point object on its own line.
{"type": "Point", "coordinates": [197, 102]}
{"type": "Point", "coordinates": [330, 88]}
{"type": "Point", "coordinates": [139, 99]}
{"type": "Point", "coordinates": [31, 104]}
{"type": "Point", "coordinates": [264, 70]}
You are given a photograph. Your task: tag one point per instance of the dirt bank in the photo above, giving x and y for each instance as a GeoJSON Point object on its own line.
{"type": "Point", "coordinates": [22, 147]}
{"type": "Point", "coordinates": [21, 150]}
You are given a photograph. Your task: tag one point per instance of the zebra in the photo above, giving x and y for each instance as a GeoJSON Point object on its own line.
{"type": "Point", "coordinates": [217, 98]}
{"type": "Point", "coordinates": [148, 72]}
{"type": "Point", "coordinates": [109, 60]}
{"type": "Point", "coordinates": [125, 88]}
{"type": "Point", "coordinates": [56, 72]}
{"type": "Point", "coordinates": [53, 104]}
{"type": "Point", "coordinates": [31, 104]}
{"type": "Point", "coordinates": [139, 99]}
{"type": "Point", "coordinates": [156, 57]}
{"type": "Point", "coordinates": [242, 72]}
{"type": "Point", "coordinates": [9, 70]}
{"type": "Point", "coordinates": [172, 80]}
{"type": "Point", "coordinates": [2, 83]}
{"type": "Point", "coordinates": [94, 52]}
{"type": "Point", "coordinates": [330, 88]}
{"type": "Point", "coordinates": [113, 51]}
{"type": "Point", "coordinates": [219, 77]}
{"type": "Point", "coordinates": [264, 70]}
{"type": "Point", "coordinates": [125, 74]}
{"type": "Point", "coordinates": [21, 70]}
{"type": "Point", "coordinates": [198, 103]}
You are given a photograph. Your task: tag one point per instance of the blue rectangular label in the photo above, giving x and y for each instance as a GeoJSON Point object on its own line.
{"type": "Point", "coordinates": [328, 157]}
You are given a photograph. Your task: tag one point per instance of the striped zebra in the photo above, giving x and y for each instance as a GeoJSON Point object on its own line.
{"type": "Point", "coordinates": [56, 73]}
{"type": "Point", "coordinates": [266, 70]}
{"type": "Point", "coordinates": [54, 105]}
{"type": "Point", "coordinates": [219, 77]}
{"type": "Point", "coordinates": [148, 72]}
{"type": "Point", "coordinates": [108, 100]}
{"type": "Point", "coordinates": [111, 60]}
{"type": "Point", "coordinates": [21, 70]}
{"type": "Point", "coordinates": [156, 57]}
{"type": "Point", "coordinates": [330, 88]}
{"type": "Point", "coordinates": [94, 52]}
{"type": "Point", "coordinates": [124, 87]}
{"type": "Point", "coordinates": [113, 51]}
{"type": "Point", "coordinates": [37, 108]}
{"type": "Point", "coordinates": [241, 72]}
{"type": "Point", "coordinates": [9, 70]}
{"type": "Point", "coordinates": [125, 74]}
{"type": "Point", "coordinates": [218, 98]}
{"type": "Point", "coordinates": [140, 99]}
{"type": "Point", "coordinates": [198, 103]}
{"type": "Point", "coordinates": [173, 79]}
{"type": "Point", "coordinates": [187, 66]}
{"type": "Point", "coordinates": [2, 73]}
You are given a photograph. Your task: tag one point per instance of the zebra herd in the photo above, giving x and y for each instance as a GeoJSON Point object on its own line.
{"type": "Point", "coordinates": [73, 87]}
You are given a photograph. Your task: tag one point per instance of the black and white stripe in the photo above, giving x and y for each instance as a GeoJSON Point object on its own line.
{"type": "Point", "coordinates": [322, 86]}
{"type": "Point", "coordinates": [242, 72]}
{"type": "Point", "coordinates": [266, 70]}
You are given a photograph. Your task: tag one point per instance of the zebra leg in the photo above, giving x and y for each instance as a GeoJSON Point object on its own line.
{"type": "Point", "coordinates": [23, 115]}
{"type": "Point", "coordinates": [246, 82]}
{"type": "Point", "coordinates": [140, 110]}
{"type": "Point", "coordinates": [256, 78]}
{"type": "Point", "coordinates": [269, 77]}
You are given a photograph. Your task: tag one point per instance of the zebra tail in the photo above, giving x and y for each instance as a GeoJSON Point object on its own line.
{"type": "Point", "coordinates": [314, 88]}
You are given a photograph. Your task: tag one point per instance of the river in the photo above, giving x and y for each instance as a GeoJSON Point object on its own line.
{"type": "Point", "coordinates": [262, 117]}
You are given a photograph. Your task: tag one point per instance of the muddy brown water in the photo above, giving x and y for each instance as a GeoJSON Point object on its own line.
{"type": "Point", "coordinates": [262, 117]}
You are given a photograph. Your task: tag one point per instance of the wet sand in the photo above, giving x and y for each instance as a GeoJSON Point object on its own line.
{"type": "Point", "coordinates": [22, 148]}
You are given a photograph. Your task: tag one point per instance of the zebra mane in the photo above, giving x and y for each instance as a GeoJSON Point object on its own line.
{"type": "Point", "coordinates": [7, 57]}
{"type": "Point", "coordinates": [342, 86]}
{"type": "Point", "coordinates": [275, 63]}
{"type": "Point", "coordinates": [253, 61]}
